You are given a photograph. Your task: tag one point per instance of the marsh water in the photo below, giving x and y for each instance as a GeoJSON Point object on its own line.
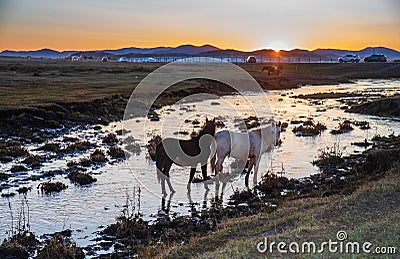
{"type": "Point", "coordinates": [87, 209]}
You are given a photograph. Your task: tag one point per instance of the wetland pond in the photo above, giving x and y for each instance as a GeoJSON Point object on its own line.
{"type": "Point", "coordinates": [88, 209]}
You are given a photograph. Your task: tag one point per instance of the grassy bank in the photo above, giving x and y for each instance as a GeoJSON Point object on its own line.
{"type": "Point", "coordinates": [371, 213]}
{"type": "Point", "coordinates": [383, 107]}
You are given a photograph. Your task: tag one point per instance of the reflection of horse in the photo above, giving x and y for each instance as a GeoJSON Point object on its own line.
{"type": "Point", "coordinates": [250, 145]}
{"type": "Point", "coordinates": [165, 205]}
{"type": "Point", "coordinates": [206, 191]}
{"type": "Point", "coordinates": [185, 153]}
{"type": "Point", "coordinates": [273, 70]}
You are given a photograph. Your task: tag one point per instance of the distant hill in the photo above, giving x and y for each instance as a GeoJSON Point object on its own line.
{"type": "Point", "coordinates": [42, 53]}
{"type": "Point", "coordinates": [390, 53]}
{"type": "Point", "coordinates": [205, 50]}
{"type": "Point", "coordinates": [125, 51]}
{"type": "Point", "coordinates": [189, 49]}
{"type": "Point", "coordinates": [183, 49]}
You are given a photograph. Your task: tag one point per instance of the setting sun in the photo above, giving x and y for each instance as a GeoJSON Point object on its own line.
{"type": "Point", "coordinates": [277, 46]}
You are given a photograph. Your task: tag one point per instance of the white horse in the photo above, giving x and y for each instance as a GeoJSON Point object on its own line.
{"type": "Point", "coordinates": [250, 146]}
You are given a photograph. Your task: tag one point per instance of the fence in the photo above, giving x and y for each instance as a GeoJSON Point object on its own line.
{"type": "Point", "coordinates": [233, 59]}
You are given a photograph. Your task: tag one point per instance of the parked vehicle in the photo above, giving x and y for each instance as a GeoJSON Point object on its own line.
{"type": "Point", "coordinates": [104, 59]}
{"type": "Point", "coordinates": [151, 60]}
{"type": "Point", "coordinates": [376, 58]}
{"type": "Point", "coordinates": [251, 59]}
{"type": "Point", "coordinates": [122, 59]}
{"type": "Point", "coordinates": [349, 58]}
{"type": "Point", "coordinates": [75, 58]}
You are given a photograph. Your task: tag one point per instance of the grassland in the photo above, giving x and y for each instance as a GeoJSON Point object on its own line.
{"type": "Point", "coordinates": [28, 83]}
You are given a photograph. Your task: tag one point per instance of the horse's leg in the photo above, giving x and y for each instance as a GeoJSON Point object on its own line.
{"type": "Point", "coordinates": [161, 179]}
{"type": "Point", "coordinates": [192, 172]}
{"type": "Point", "coordinates": [246, 165]}
{"type": "Point", "coordinates": [204, 171]}
{"type": "Point", "coordinates": [213, 158]}
{"type": "Point", "coordinates": [167, 167]}
{"type": "Point", "coordinates": [256, 165]}
{"type": "Point", "coordinates": [246, 178]}
{"type": "Point", "coordinates": [218, 166]}
{"type": "Point", "coordinates": [164, 192]}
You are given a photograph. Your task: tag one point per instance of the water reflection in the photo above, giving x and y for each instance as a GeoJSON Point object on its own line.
{"type": "Point", "coordinates": [166, 203]}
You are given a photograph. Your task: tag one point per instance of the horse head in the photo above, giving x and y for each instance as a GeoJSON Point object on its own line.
{"type": "Point", "coordinates": [209, 128]}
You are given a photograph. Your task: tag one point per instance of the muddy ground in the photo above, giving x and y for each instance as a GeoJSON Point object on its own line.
{"type": "Point", "coordinates": [388, 107]}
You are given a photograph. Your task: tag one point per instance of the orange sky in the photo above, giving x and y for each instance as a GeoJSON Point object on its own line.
{"type": "Point", "coordinates": [238, 24]}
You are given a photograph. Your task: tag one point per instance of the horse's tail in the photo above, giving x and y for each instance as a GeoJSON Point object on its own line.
{"type": "Point", "coordinates": [214, 154]}
{"type": "Point", "coordinates": [159, 160]}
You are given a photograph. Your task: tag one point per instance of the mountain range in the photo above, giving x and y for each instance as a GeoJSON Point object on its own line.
{"type": "Point", "coordinates": [205, 50]}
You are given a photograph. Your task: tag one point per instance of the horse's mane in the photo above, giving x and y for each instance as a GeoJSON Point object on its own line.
{"type": "Point", "coordinates": [200, 130]}
{"type": "Point", "coordinates": [202, 127]}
